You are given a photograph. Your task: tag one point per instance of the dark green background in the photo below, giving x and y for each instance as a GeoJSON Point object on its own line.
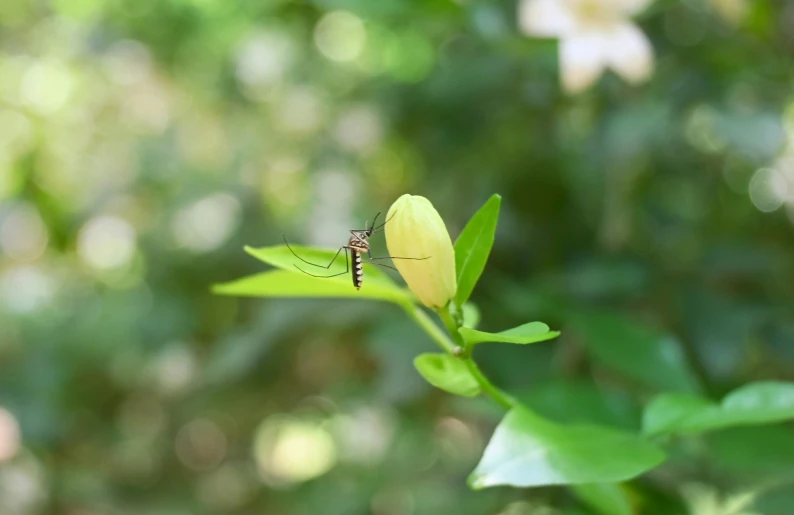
{"type": "Point", "coordinates": [188, 128]}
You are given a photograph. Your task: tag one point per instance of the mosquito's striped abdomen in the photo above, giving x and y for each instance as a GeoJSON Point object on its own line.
{"type": "Point", "coordinates": [358, 270]}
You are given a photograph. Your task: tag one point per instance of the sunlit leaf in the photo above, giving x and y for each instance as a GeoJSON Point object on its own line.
{"type": "Point", "coordinates": [527, 450]}
{"type": "Point", "coordinates": [471, 315]}
{"type": "Point", "coordinates": [281, 257]}
{"type": "Point", "coordinates": [473, 247]}
{"type": "Point", "coordinates": [448, 373]}
{"type": "Point", "coordinates": [757, 403]}
{"type": "Point", "coordinates": [281, 283]}
{"type": "Point", "coordinates": [532, 332]}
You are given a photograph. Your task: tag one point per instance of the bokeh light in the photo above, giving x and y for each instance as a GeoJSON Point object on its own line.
{"type": "Point", "coordinates": [207, 223]}
{"type": "Point", "coordinates": [291, 450]}
{"type": "Point", "coordinates": [768, 189]}
{"type": "Point", "coordinates": [340, 36]}
{"type": "Point", "coordinates": [10, 437]}
{"type": "Point", "coordinates": [107, 242]}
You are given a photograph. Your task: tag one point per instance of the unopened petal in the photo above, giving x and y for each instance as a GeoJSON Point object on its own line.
{"type": "Point", "coordinates": [545, 18]}
{"type": "Point", "coordinates": [422, 250]}
{"type": "Point", "coordinates": [582, 59]}
{"type": "Point", "coordinates": [629, 53]}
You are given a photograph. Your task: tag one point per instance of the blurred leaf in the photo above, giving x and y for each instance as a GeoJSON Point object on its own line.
{"type": "Point", "coordinates": [448, 373]}
{"type": "Point", "coordinates": [752, 450]}
{"type": "Point", "coordinates": [532, 332]}
{"type": "Point", "coordinates": [605, 498]}
{"type": "Point", "coordinates": [527, 450]}
{"type": "Point", "coordinates": [648, 356]}
{"type": "Point", "coordinates": [582, 401]}
{"type": "Point", "coordinates": [473, 247]}
{"type": "Point", "coordinates": [757, 403]}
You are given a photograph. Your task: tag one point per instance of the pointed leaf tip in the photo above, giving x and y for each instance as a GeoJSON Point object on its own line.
{"type": "Point", "coordinates": [473, 247]}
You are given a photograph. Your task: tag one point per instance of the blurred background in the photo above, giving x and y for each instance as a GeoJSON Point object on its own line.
{"type": "Point", "coordinates": [143, 143]}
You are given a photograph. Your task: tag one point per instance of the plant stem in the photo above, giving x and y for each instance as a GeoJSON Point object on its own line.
{"type": "Point", "coordinates": [425, 322]}
{"type": "Point", "coordinates": [464, 352]}
{"type": "Point", "coordinates": [502, 398]}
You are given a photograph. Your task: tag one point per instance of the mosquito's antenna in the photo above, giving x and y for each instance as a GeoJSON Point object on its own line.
{"type": "Point", "coordinates": [371, 227]}
{"type": "Point", "coordinates": [376, 229]}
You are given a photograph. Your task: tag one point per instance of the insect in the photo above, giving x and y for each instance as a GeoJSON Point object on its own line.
{"type": "Point", "coordinates": [357, 245]}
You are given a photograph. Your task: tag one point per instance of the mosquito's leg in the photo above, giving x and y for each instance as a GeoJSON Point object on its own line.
{"type": "Point", "coordinates": [392, 257]}
{"type": "Point", "coordinates": [381, 264]}
{"type": "Point", "coordinates": [369, 254]}
{"type": "Point", "coordinates": [347, 266]}
{"type": "Point", "coordinates": [309, 262]}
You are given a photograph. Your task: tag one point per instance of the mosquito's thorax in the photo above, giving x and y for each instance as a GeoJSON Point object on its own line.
{"type": "Point", "coordinates": [358, 242]}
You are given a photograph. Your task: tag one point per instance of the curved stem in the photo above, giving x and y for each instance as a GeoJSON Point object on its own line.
{"type": "Point", "coordinates": [461, 349]}
{"type": "Point", "coordinates": [425, 322]}
{"type": "Point", "coordinates": [502, 398]}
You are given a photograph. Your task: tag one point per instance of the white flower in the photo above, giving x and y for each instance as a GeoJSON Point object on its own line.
{"type": "Point", "coordinates": [594, 35]}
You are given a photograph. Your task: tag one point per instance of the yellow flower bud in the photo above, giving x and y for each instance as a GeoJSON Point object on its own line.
{"type": "Point", "coordinates": [416, 230]}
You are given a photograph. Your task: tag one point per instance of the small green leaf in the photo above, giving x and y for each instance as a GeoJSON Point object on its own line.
{"type": "Point", "coordinates": [532, 332]}
{"type": "Point", "coordinates": [448, 373]}
{"type": "Point", "coordinates": [471, 315]}
{"type": "Point", "coordinates": [636, 350]}
{"type": "Point", "coordinates": [757, 403]}
{"type": "Point", "coordinates": [527, 450]}
{"type": "Point", "coordinates": [473, 247]}
{"type": "Point", "coordinates": [281, 283]}
{"type": "Point", "coordinates": [604, 498]}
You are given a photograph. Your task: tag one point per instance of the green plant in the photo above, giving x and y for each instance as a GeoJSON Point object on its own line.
{"type": "Point", "coordinates": [526, 449]}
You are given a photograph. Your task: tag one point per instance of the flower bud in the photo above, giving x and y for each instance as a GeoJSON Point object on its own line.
{"type": "Point", "coordinates": [415, 230]}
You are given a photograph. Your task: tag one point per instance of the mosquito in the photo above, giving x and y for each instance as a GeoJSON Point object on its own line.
{"type": "Point", "coordinates": [357, 245]}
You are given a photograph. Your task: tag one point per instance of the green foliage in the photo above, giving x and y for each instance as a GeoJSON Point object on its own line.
{"type": "Point", "coordinates": [636, 350]}
{"type": "Point", "coordinates": [291, 282]}
{"type": "Point", "coordinates": [757, 403]}
{"type": "Point", "coordinates": [473, 247]}
{"type": "Point", "coordinates": [143, 143]}
{"type": "Point", "coordinates": [527, 450]}
{"type": "Point", "coordinates": [605, 498]}
{"type": "Point", "coordinates": [531, 332]}
{"type": "Point", "coordinates": [448, 373]}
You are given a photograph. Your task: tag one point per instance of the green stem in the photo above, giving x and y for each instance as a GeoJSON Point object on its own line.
{"type": "Point", "coordinates": [502, 398]}
{"type": "Point", "coordinates": [425, 322]}
{"type": "Point", "coordinates": [458, 348]}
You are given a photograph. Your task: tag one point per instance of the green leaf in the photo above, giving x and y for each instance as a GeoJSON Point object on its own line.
{"type": "Point", "coordinates": [473, 247]}
{"type": "Point", "coordinates": [757, 403]}
{"type": "Point", "coordinates": [582, 402]}
{"type": "Point", "coordinates": [532, 332]}
{"type": "Point", "coordinates": [604, 498]}
{"type": "Point", "coordinates": [291, 282]}
{"type": "Point", "coordinates": [280, 256]}
{"type": "Point", "coordinates": [527, 450]}
{"type": "Point", "coordinates": [448, 373]}
{"type": "Point", "coordinates": [648, 356]}
{"type": "Point", "coordinates": [471, 315]}
{"type": "Point", "coordinates": [281, 283]}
